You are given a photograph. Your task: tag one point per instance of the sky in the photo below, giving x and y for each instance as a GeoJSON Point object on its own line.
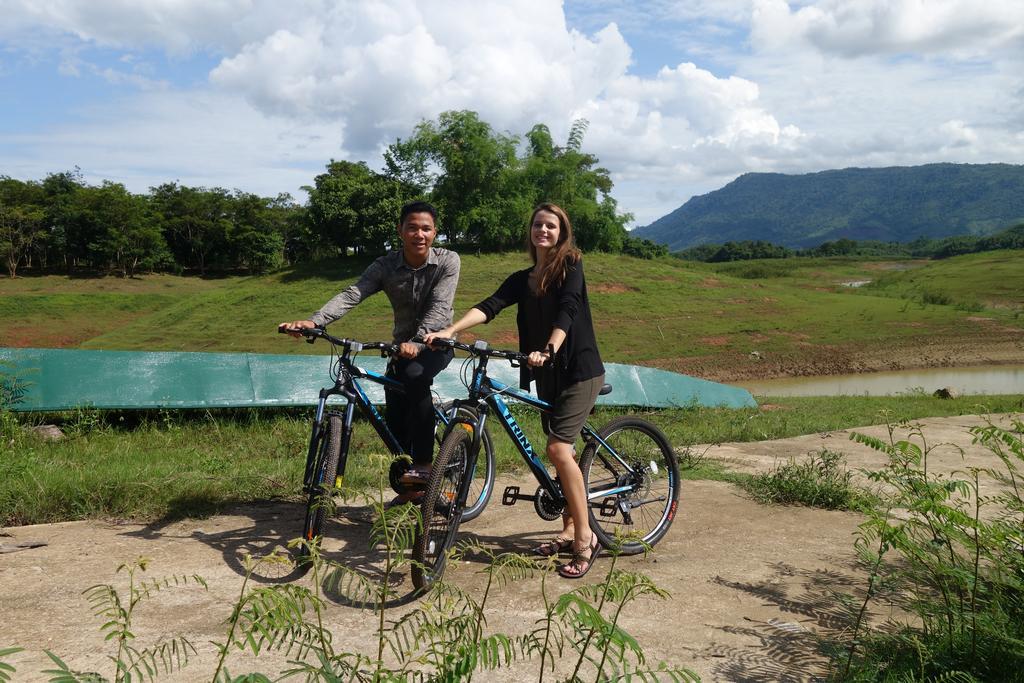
{"type": "Point", "coordinates": [681, 96]}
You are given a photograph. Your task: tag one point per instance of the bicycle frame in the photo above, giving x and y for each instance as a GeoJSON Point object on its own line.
{"type": "Point", "coordinates": [487, 394]}
{"type": "Point", "coordinates": [347, 385]}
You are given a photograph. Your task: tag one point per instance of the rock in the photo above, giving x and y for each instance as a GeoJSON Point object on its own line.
{"type": "Point", "coordinates": [946, 392]}
{"type": "Point", "coordinates": [48, 432]}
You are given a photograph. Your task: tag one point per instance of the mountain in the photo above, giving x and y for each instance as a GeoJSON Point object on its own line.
{"type": "Point", "coordinates": [898, 204]}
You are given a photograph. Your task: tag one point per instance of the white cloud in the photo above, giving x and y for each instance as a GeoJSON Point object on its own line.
{"type": "Point", "coordinates": [200, 138]}
{"type": "Point", "coordinates": [959, 133]}
{"type": "Point", "coordinates": [515, 63]}
{"type": "Point", "coordinates": [851, 28]}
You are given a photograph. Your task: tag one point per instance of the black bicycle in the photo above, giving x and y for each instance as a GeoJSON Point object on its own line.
{"type": "Point", "coordinates": [331, 435]}
{"type": "Point", "coordinates": [630, 470]}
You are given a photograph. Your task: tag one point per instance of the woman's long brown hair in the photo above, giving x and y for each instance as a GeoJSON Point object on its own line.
{"type": "Point", "coordinates": [563, 254]}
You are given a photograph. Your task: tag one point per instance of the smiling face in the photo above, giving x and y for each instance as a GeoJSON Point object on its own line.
{"type": "Point", "coordinates": [417, 233]}
{"type": "Point", "coordinates": [545, 230]}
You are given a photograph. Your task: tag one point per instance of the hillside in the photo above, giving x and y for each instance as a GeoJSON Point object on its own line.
{"type": "Point", "coordinates": [699, 319]}
{"type": "Point", "coordinates": [891, 204]}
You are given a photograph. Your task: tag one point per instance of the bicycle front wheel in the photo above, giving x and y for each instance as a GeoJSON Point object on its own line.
{"type": "Point", "coordinates": [482, 484]}
{"type": "Point", "coordinates": [320, 503]}
{"type": "Point", "coordinates": [441, 511]}
{"type": "Point", "coordinates": [632, 486]}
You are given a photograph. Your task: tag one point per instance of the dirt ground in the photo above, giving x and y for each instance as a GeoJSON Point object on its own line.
{"type": "Point", "coordinates": [753, 587]}
{"type": "Point", "coordinates": [997, 345]}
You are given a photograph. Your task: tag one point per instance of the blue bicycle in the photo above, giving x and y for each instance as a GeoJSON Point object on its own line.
{"type": "Point", "coordinates": [331, 435]}
{"type": "Point", "coordinates": [630, 470]}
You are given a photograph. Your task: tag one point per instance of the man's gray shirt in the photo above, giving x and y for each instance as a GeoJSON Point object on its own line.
{"type": "Point", "coordinates": [421, 298]}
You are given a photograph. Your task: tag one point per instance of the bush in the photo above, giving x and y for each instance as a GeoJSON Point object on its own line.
{"type": "Point", "coordinates": [958, 566]}
{"type": "Point", "coordinates": [821, 481]}
{"type": "Point", "coordinates": [757, 270]}
{"type": "Point", "coordinates": [937, 298]}
{"type": "Point", "coordinates": [641, 248]}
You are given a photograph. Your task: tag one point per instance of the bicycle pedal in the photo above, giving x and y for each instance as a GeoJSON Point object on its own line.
{"type": "Point", "coordinates": [511, 495]}
{"type": "Point", "coordinates": [608, 508]}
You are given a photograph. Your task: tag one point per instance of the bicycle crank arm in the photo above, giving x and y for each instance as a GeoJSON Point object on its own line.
{"type": "Point", "coordinates": [511, 496]}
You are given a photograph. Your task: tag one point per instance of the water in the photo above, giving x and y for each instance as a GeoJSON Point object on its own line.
{"type": "Point", "coordinates": [999, 379]}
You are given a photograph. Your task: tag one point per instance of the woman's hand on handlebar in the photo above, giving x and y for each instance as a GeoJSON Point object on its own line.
{"type": "Point", "coordinates": [538, 358]}
{"type": "Point", "coordinates": [292, 328]}
{"type": "Point", "coordinates": [446, 333]}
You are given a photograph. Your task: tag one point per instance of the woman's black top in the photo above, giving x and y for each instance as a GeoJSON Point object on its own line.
{"type": "Point", "coordinates": [565, 307]}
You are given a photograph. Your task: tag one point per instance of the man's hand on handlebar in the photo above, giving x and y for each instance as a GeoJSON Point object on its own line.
{"type": "Point", "coordinates": [408, 350]}
{"type": "Point", "coordinates": [292, 328]}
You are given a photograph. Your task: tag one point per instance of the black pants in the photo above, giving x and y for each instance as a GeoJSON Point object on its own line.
{"type": "Point", "coordinates": [410, 415]}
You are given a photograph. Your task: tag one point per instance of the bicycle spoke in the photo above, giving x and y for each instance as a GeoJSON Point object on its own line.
{"type": "Point", "coordinates": [633, 506]}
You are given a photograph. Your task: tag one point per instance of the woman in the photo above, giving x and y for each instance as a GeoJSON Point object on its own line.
{"type": "Point", "coordinates": [556, 329]}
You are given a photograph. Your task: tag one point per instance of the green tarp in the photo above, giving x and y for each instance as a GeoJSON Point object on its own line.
{"type": "Point", "coordinates": [61, 379]}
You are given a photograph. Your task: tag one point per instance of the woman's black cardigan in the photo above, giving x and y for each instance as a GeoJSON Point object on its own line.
{"type": "Point", "coordinates": [578, 359]}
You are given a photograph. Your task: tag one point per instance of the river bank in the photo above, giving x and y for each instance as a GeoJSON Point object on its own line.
{"type": "Point", "coordinates": [999, 346]}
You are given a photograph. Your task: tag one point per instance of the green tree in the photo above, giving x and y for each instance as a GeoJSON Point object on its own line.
{"type": "Point", "coordinates": [572, 179]}
{"type": "Point", "coordinates": [59, 190]}
{"type": "Point", "coordinates": [291, 220]}
{"type": "Point", "coordinates": [256, 238]}
{"type": "Point", "coordinates": [21, 220]}
{"type": "Point", "coordinates": [469, 171]}
{"type": "Point", "coordinates": [746, 250]}
{"type": "Point", "coordinates": [641, 248]}
{"type": "Point", "coordinates": [195, 222]}
{"type": "Point", "coordinates": [353, 207]}
{"type": "Point", "coordinates": [120, 232]}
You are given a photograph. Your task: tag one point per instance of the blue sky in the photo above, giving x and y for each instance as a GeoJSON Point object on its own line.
{"type": "Point", "coordinates": [681, 97]}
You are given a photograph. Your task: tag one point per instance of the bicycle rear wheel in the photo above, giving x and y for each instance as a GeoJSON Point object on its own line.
{"type": "Point", "coordinates": [441, 512]}
{"type": "Point", "coordinates": [635, 494]}
{"type": "Point", "coordinates": [320, 503]}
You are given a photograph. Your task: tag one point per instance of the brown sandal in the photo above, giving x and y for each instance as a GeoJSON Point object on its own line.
{"type": "Point", "coordinates": [580, 564]}
{"type": "Point", "coordinates": [555, 546]}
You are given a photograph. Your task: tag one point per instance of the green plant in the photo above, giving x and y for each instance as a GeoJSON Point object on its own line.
{"type": "Point", "coordinates": [691, 458]}
{"type": "Point", "coordinates": [130, 663]}
{"type": "Point", "coordinates": [12, 392]}
{"type": "Point", "coordinates": [970, 306]}
{"type": "Point", "coordinates": [6, 669]}
{"type": "Point", "coordinates": [958, 567]}
{"type": "Point", "coordinates": [821, 480]}
{"type": "Point", "coordinates": [602, 646]}
{"type": "Point", "coordinates": [268, 617]}
{"type": "Point", "coordinates": [929, 296]}
{"type": "Point", "coordinates": [85, 420]}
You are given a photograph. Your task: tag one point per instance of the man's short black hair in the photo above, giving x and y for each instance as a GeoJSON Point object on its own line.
{"type": "Point", "coordinates": [417, 207]}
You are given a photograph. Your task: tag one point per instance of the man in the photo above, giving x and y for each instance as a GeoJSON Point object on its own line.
{"type": "Point", "coordinates": [420, 282]}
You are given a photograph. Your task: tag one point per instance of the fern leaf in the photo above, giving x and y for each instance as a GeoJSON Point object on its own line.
{"type": "Point", "coordinates": [357, 588]}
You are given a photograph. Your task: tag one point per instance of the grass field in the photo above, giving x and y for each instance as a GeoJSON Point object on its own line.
{"type": "Point", "coordinates": [193, 463]}
{"type": "Point", "coordinates": [990, 280]}
{"type": "Point", "coordinates": [702, 319]}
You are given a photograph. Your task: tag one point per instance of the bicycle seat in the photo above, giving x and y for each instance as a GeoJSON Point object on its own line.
{"type": "Point", "coordinates": [605, 390]}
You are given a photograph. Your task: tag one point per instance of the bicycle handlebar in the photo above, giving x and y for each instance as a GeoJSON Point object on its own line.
{"type": "Point", "coordinates": [477, 348]}
{"type": "Point", "coordinates": [313, 333]}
